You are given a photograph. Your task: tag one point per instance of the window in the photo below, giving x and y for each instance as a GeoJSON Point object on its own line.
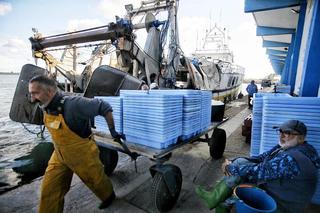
{"type": "Point", "coordinates": [229, 82]}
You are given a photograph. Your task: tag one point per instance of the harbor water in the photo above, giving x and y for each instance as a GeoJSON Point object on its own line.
{"type": "Point", "coordinates": [16, 143]}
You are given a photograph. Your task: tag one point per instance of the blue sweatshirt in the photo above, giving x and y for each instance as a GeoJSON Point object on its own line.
{"type": "Point", "coordinates": [251, 89]}
{"type": "Point", "coordinates": [289, 176]}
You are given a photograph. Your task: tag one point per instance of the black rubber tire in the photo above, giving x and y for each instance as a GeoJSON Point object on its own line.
{"type": "Point", "coordinates": [162, 200]}
{"type": "Point", "coordinates": [109, 159]}
{"type": "Point", "coordinates": [217, 143]}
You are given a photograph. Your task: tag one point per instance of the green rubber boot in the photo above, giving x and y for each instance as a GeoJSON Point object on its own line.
{"type": "Point", "coordinates": [221, 209]}
{"type": "Point", "coordinates": [219, 193]}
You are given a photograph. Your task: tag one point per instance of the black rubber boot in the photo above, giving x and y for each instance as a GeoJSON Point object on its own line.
{"type": "Point", "coordinates": [108, 201]}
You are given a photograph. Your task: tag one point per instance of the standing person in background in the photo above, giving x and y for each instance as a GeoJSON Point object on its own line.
{"type": "Point", "coordinates": [251, 89]}
{"type": "Point", "coordinates": [153, 84]}
{"type": "Point", "coordinates": [144, 85]}
{"type": "Point", "coordinates": [69, 120]}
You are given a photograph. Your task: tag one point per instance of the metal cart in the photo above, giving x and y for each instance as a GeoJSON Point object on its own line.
{"type": "Point", "coordinates": [167, 178]}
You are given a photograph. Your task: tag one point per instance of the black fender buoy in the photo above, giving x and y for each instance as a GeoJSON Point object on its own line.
{"type": "Point", "coordinates": [217, 143]}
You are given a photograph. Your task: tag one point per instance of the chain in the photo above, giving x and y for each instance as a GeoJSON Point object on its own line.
{"type": "Point", "coordinates": [39, 134]}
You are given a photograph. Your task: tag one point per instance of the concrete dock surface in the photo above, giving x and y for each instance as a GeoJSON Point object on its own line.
{"type": "Point", "coordinates": [133, 188]}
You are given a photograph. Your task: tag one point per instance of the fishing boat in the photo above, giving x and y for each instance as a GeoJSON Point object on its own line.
{"type": "Point", "coordinates": [215, 61]}
{"type": "Point", "coordinates": [160, 62]}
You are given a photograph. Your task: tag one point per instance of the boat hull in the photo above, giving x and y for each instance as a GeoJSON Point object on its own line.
{"type": "Point", "coordinates": [226, 95]}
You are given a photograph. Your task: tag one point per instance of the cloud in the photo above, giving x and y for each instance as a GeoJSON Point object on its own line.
{"type": "Point", "coordinates": [111, 8]}
{"type": "Point", "coordinates": [13, 43]}
{"type": "Point", "coordinates": [79, 24]}
{"type": "Point", "coordinates": [14, 48]}
{"type": "Point", "coordinates": [5, 8]}
{"type": "Point", "coordinates": [14, 53]}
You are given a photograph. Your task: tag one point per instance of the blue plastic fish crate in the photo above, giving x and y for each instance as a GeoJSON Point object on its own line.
{"type": "Point", "coordinates": [151, 143]}
{"type": "Point", "coordinates": [206, 97]}
{"type": "Point", "coordinates": [116, 104]}
{"type": "Point", "coordinates": [283, 88]}
{"type": "Point", "coordinates": [196, 108]}
{"type": "Point", "coordinates": [277, 111]}
{"type": "Point", "coordinates": [153, 120]}
{"type": "Point", "coordinates": [257, 119]}
{"type": "Point", "coordinates": [192, 105]}
{"type": "Point", "coordinates": [186, 137]}
{"type": "Point", "coordinates": [133, 92]}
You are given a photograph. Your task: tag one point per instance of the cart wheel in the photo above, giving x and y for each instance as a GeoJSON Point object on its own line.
{"type": "Point", "coordinates": [163, 200]}
{"type": "Point", "coordinates": [109, 159]}
{"type": "Point", "coordinates": [217, 143]}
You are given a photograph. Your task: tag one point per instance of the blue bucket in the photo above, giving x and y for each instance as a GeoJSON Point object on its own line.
{"type": "Point", "coordinates": [252, 200]}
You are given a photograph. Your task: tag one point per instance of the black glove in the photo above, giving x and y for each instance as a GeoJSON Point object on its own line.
{"type": "Point", "coordinates": [116, 135]}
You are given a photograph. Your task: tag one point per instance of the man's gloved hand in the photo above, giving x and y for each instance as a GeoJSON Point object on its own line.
{"type": "Point", "coordinates": [116, 135]}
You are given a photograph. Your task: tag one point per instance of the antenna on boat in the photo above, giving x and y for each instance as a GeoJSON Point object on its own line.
{"type": "Point", "coordinates": [197, 41]}
{"type": "Point", "coordinates": [210, 20]}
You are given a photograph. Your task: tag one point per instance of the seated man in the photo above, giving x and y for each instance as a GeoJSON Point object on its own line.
{"type": "Point", "coordinates": [287, 172]}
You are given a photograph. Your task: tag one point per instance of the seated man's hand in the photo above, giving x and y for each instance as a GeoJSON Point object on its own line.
{"type": "Point", "coordinates": [223, 167]}
{"type": "Point", "coordinates": [115, 135]}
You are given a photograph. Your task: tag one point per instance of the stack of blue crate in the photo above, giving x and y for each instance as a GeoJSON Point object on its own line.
{"type": "Point", "coordinates": [191, 113]}
{"type": "Point", "coordinates": [153, 120]}
{"type": "Point", "coordinates": [133, 92]}
{"type": "Point", "coordinates": [277, 110]}
{"type": "Point", "coordinates": [206, 97]}
{"type": "Point", "coordinates": [116, 104]}
{"type": "Point", "coordinates": [280, 109]}
{"type": "Point", "coordinates": [257, 120]}
{"type": "Point", "coordinates": [283, 88]}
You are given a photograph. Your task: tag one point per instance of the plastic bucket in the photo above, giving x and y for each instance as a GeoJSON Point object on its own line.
{"type": "Point", "coordinates": [252, 200]}
{"type": "Point", "coordinates": [217, 111]}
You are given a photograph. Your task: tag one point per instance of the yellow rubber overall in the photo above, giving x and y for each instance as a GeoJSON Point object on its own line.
{"type": "Point", "coordinates": [72, 154]}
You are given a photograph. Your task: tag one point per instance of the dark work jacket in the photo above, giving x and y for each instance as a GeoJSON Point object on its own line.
{"type": "Point", "coordinates": [78, 112]}
{"type": "Point", "coordinates": [293, 195]}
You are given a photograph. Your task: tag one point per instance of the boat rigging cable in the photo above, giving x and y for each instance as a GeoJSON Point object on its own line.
{"type": "Point", "coordinates": [81, 46]}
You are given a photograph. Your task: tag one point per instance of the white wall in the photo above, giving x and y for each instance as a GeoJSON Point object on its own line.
{"type": "Point", "coordinates": [304, 40]}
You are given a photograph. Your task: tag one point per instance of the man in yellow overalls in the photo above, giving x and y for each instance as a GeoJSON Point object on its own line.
{"type": "Point", "coordinates": [69, 120]}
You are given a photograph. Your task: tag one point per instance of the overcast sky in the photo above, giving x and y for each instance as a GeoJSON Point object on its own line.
{"type": "Point", "coordinates": [18, 17]}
